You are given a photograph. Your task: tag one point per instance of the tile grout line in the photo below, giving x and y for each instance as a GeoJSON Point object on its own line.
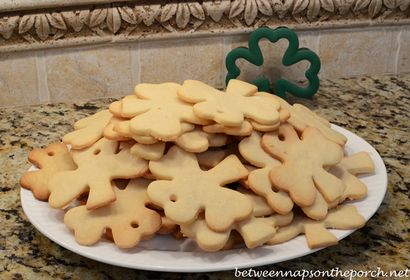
{"type": "Point", "coordinates": [317, 47]}
{"type": "Point", "coordinates": [396, 62]}
{"type": "Point", "coordinates": [138, 49]}
{"type": "Point", "coordinates": [135, 64]}
{"type": "Point", "coordinates": [225, 52]}
{"type": "Point", "coordinates": [139, 63]}
{"type": "Point", "coordinates": [42, 87]}
{"type": "Point", "coordinates": [317, 43]}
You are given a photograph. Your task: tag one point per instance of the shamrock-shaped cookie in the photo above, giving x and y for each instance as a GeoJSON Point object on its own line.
{"type": "Point", "coordinates": [148, 152]}
{"type": "Point", "coordinates": [88, 130]}
{"type": "Point", "coordinates": [111, 134]}
{"type": "Point", "coordinates": [255, 230]}
{"type": "Point", "coordinates": [183, 190]}
{"type": "Point", "coordinates": [123, 129]}
{"type": "Point", "coordinates": [197, 141]}
{"type": "Point", "coordinates": [116, 109]}
{"type": "Point", "coordinates": [354, 188]}
{"type": "Point", "coordinates": [97, 166]}
{"type": "Point", "coordinates": [54, 158]}
{"type": "Point", "coordinates": [251, 149]}
{"type": "Point", "coordinates": [240, 101]}
{"type": "Point", "coordinates": [127, 217]}
{"type": "Point", "coordinates": [260, 206]}
{"type": "Point", "coordinates": [244, 129]}
{"type": "Point", "coordinates": [158, 112]}
{"type": "Point", "coordinates": [359, 163]}
{"type": "Point", "coordinates": [344, 217]}
{"type": "Point", "coordinates": [304, 161]}
{"type": "Point", "coordinates": [263, 127]}
{"type": "Point", "coordinates": [319, 209]}
{"type": "Point", "coordinates": [301, 117]}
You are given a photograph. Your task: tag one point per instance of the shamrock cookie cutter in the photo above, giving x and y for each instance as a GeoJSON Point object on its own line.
{"type": "Point", "coordinates": [292, 55]}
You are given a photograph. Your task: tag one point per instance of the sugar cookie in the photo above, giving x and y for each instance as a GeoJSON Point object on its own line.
{"type": "Point", "coordinates": [346, 170]}
{"type": "Point", "coordinates": [128, 218]}
{"type": "Point", "coordinates": [316, 233]}
{"type": "Point", "coordinates": [111, 134]}
{"type": "Point", "coordinates": [88, 130]}
{"type": "Point", "coordinates": [97, 166]}
{"type": "Point", "coordinates": [301, 117]}
{"type": "Point", "coordinates": [115, 108]}
{"type": "Point", "coordinates": [158, 112]}
{"type": "Point", "coordinates": [244, 129]}
{"type": "Point", "coordinates": [251, 149]}
{"type": "Point", "coordinates": [198, 141]}
{"type": "Point", "coordinates": [183, 189]}
{"type": "Point", "coordinates": [148, 152]}
{"type": "Point", "coordinates": [240, 101]}
{"type": "Point", "coordinates": [304, 159]}
{"type": "Point", "coordinates": [254, 231]}
{"type": "Point", "coordinates": [54, 158]}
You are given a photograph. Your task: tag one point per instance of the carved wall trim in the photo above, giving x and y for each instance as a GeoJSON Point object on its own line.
{"type": "Point", "coordinates": [137, 20]}
{"type": "Point", "coordinates": [21, 5]}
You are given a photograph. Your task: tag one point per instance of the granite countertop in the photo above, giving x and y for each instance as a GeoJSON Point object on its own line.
{"type": "Point", "coordinates": [377, 108]}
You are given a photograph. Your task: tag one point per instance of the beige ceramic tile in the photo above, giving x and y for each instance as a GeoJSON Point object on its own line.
{"type": "Point", "coordinates": [403, 64]}
{"type": "Point", "coordinates": [352, 53]}
{"type": "Point", "coordinates": [18, 79]}
{"type": "Point", "coordinates": [88, 73]}
{"type": "Point", "coordinates": [182, 59]}
{"type": "Point", "coordinates": [273, 53]}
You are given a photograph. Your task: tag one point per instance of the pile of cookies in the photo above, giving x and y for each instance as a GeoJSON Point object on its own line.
{"type": "Point", "coordinates": [221, 168]}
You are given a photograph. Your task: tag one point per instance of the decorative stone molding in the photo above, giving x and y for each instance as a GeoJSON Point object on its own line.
{"type": "Point", "coordinates": [136, 20]}
{"type": "Point", "coordinates": [21, 5]}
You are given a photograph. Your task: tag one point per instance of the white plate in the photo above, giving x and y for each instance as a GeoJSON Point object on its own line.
{"type": "Point", "coordinates": [164, 253]}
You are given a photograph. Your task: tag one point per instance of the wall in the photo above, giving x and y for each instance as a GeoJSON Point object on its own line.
{"type": "Point", "coordinates": [88, 65]}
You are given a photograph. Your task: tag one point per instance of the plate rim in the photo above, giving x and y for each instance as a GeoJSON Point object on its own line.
{"type": "Point", "coordinates": [209, 267]}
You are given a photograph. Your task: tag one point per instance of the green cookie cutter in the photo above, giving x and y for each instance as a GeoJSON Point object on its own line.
{"type": "Point", "coordinates": [293, 54]}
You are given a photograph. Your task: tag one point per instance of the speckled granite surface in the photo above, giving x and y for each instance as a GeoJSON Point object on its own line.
{"type": "Point", "coordinates": [376, 108]}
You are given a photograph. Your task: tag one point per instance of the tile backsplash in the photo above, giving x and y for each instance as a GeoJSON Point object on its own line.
{"type": "Point", "coordinates": [86, 73]}
{"type": "Point", "coordinates": [359, 52]}
{"type": "Point", "coordinates": [178, 60]}
{"type": "Point", "coordinates": [19, 82]}
{"type": "Point", "coordinates": [112, 70]}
